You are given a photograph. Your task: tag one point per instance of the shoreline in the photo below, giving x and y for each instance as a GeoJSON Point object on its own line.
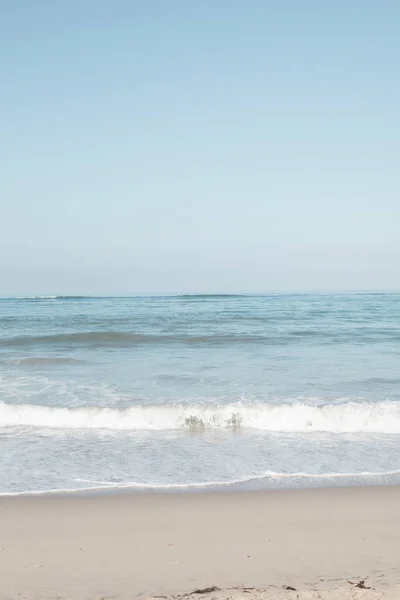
{"type": "Point", "coordinates": [187, 490]}
{"type": "Point", "coordinates": [129, 544]}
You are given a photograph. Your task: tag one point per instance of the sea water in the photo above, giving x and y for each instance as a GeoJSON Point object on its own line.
{"type": "Point", "coordinates": [199, 392]}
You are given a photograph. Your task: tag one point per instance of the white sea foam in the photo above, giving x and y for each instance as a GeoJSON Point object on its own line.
{"type": "Point", "coordinates": [96, 486]}
{"type": "Point", "coordinates": [350, 417]}
{"type": "Point", "coordinates": [233, 482]}
{"type": "Point", "coordinates": [35, 297]}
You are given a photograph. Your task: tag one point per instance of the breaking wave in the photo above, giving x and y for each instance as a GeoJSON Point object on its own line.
{"type": "Point", "coordinates": [50, 298]}
{"type": "Point", "coordinates": [350, 417]}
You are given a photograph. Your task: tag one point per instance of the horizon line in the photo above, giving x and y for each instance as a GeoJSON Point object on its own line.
{"type": "Point", "coordinates": [202, 294]}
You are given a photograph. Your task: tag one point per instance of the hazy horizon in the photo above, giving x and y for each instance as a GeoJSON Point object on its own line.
{"type": "Point", "coordinates": [207, 294]}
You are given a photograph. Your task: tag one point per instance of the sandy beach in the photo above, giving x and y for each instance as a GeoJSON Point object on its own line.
{"type": "Point", "coordinates": [323, 542]}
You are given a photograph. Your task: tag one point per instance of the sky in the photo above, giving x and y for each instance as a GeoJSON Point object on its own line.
{"type": "Point", "coordinates": [195, 146]}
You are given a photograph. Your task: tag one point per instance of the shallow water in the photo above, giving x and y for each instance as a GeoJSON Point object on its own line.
{"type": "Point", "coordinates": [279, 390]}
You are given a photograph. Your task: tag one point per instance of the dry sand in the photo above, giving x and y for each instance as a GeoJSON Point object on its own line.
{"type": "Point", "coordinates": [121, 546]}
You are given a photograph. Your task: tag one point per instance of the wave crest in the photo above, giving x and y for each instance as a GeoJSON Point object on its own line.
{"type": "Point", "coordinates": [350, 417]}
{"type": "Point", "coordinates": [126, 339]}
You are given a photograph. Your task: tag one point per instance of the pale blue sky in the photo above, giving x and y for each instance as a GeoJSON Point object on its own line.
{"type": "Point", "coordinates": [167, 146]}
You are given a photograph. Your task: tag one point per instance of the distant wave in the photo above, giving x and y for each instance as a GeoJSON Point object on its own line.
{"type": "Point", "coordinates": [350, 417]}
{"type": "Point", "coordinates": [45, 361]}
{"type": "Point", "coordinates": [120, 338]}
{"type": "Point", "coordinates": [35, 297]}
{"type": "Point", "coordinates": [127, 339]}
{"type": "Point", "coordinates": [83, 338]}
{"type": "Point", "coordinates": [204, 297]}
{"type": "Point", "coordinates": [382, 380]}
{"type": "Point", "coordinates": [51, 298]}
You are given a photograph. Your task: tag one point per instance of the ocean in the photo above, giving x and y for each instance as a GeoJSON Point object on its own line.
{"type": "Point", "coordinates": [199, 392]}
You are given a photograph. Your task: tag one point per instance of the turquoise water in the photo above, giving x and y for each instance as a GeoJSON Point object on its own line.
{"type": "Point", "coordinates": [177, 392]}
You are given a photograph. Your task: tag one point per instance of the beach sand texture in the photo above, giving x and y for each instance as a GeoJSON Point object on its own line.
{"type": "Point", "coordinates": [321, 542]}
